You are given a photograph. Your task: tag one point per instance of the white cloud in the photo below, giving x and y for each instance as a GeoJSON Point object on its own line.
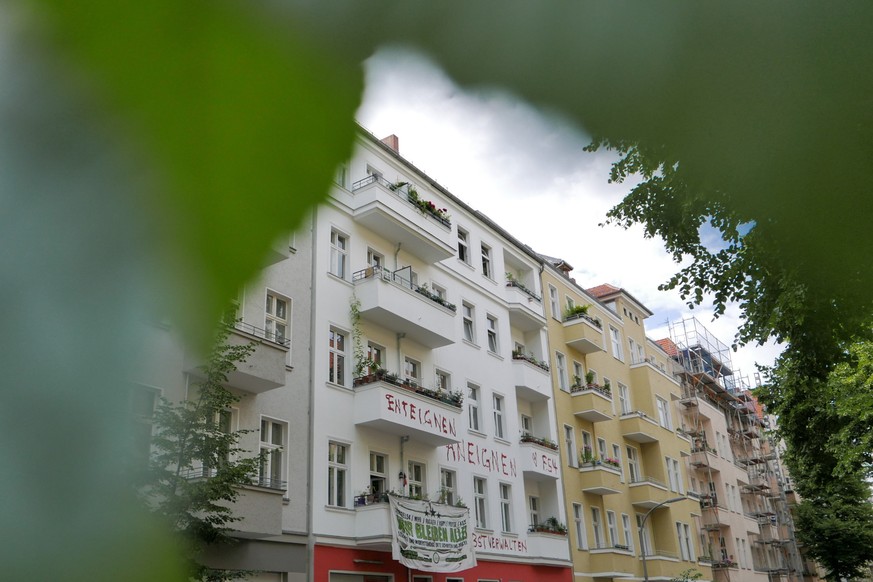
{"type": "Point", "coordinates": [527, 171]}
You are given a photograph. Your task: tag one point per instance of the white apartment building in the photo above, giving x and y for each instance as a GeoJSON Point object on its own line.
{"type": "Point", "coordinates": [428, 379]}
{"type": "Point", "coordinates": [273, 386]}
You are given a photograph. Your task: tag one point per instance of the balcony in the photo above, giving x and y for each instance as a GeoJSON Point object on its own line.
{"type": "Point", "coordinates": [550, 545]}
{"type": "Point", "coordinates": [538, 459]}
{"type": "Point", "coordinates": [645, 374]}
{"type": "Point", "coordinates": [394, 213]}
{"type": "Point", "coordinates": [591, 402]}
{"type": "Point", "coordinates": [261, 511]}
{"type": "Point", "coordinates": [583, 333]}
{"type": "Point", "coordinates": [648, 492]}
{"type": "Point", "coordinates": [425, 415]}
{"type": "Point", "coordinates": [263, 370]}
{"type": "Point", "coordinates": [373, 519]}
{"type": "Point", "coordinates": [393, 302]}
{"type": "Point", "coordinates": [600, 479]}
{"type": "Point", "coordinates": [664, 565]}
{"type": "Point", "coordinates": [611, 563]}
{"type": "Point", "coordinates": [532, 376]}
{"type": "Point", "coordinates": [637, 427]}
{"type": "Point", "coordinates": [525, 307]}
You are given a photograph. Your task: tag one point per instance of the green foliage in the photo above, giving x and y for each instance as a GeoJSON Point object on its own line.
{"type": "Point", "coordinates": [688, 575]}
{"type": "Point", "coordinates": [197, 466]}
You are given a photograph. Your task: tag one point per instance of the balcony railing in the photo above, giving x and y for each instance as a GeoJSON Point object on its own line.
{"type": "Point", "coordinates": [602, 390]}
{"type": "Point", "coordinates": [370, 499]}
{"type": "Point", "coordinates": [270, 336]}
{"type": "Point", "coordinates": [541, 441]}
{"type": "Point", "coordinates": [516, 355]}
{"type": "Point", "coordinates": [406, 192]}
{"type": "Point", "coordinates": [454, 399]}
{"type": "Point", "coordinates": [210, 472]}
{"type": "Point", "coordinates": [593, 321]}
{"type": "Point", "coordinates": [518, 285]}
{"type": "Point", "coordinates": [397, 279]}
{"type": "Point", "coordinates": [649, 481]}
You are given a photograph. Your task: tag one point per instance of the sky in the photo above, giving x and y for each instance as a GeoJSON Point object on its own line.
{"type": "Point", "coordinates": [526, 170]}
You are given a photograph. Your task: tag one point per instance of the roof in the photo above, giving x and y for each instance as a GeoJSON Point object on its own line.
{"type": "Point", "coordinates": [603, 290]}
{"type": "Point", "coordinates": [668, 346]}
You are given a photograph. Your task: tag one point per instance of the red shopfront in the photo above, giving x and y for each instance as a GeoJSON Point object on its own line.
{"type": "Point", "coordinates": [341, 564]}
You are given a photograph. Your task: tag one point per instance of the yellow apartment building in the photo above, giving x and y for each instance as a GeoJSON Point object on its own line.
{"type": "Point", "coordinates": [623, 452]}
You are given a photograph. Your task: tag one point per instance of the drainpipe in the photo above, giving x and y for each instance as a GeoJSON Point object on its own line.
{"type": "Point", "coordinates": [396, 252]}
{"type": "Point", "coordinates": [310, 517]}
{"type": "Point", "coordinates": [400, 336]}
{"type": "Point", "coordinates": [402, 475]}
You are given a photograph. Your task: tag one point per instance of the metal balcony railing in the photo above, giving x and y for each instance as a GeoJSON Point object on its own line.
{"type": "Point", "coordinates": [398, 278]}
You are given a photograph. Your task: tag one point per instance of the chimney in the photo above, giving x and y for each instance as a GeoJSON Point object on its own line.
{"type": "Point", "coordinates": [393, 142]}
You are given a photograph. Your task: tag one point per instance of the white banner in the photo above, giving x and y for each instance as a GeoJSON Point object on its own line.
{"type": "Point", "coordinates": [431, 536]}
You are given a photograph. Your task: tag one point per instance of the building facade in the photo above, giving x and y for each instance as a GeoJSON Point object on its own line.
{"type": "Point", "coordinates": [273, 387]}
{"type": "Point", "coordinates": [416, 391]}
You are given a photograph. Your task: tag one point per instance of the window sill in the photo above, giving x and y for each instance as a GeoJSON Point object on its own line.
{"type": "Point", "coordinates": [477, 433]}
{"type": "Point", "coordinates": [340, 387]}
{"type": "Point", "coordinates": [488, 278]}
{"type": "Point", "coordinates": [339, 509]}
{"type": "Point", "coordinates": [339, 279]}
{"type": "Point", "coordinates": [495, 355]}
{"type": "Point", "coordinates": [466, 264]}
{"type": "Point", "coordinates": [471, 344]}
{"type": "Point", "coordinates": [502, 440]}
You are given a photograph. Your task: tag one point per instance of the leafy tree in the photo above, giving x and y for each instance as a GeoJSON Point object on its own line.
{"type": "Point", "coordinates": [197, 466]}
{"type": "Point", "coordinates": [688, 575]}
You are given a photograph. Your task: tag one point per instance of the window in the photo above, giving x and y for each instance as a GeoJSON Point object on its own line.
{"type": "Point", "coordinates": [443, 381]}
{"type": "Point", "coordinates": [553, 302]}
{"type": "Point", "coordinates": [469, 330]}
{"type": "Point", "coordinates": [626, 528]}
{"type": "Point", "coordinates": [613, 528]}
{"type": "Point", "coordinates": [579, 523]}
{"type": "Point", "coordinates": [486, 261]}
{"type": "Point", "coordinates": [673, 474]}
{"type": "Point", "coordinates": [633, 465]}
{"type": "Point", "coordinates": [375, 259]}
{"type": "Point", "coordinates": [587, 450]}
{"type": "Point", "coordinates": [578, 374]}
{"type": "Point", "coordinates": [375, 354]}
{"type": "Point", "coordinates": [683, 546]}
{"type": "Point", "coordinates": [491, 323]}
{"type": "Point", "coordinates": [371, 171]}
{"type": "Point", "coordinates": [646, 541]}
{"type": "Point", "coordinates": [412, 370]}
{"type": "Point", "coordinates": [526, 424]}
{"type": "Point", "coordinates": [737, 549]}
{"type": "Point", "coordinates": [663, 413]}
{"type": "Point", "coordinates": [463, 246]}
{"type": "Point", "coordinates": [439, 291]}
{"type": "Point", "coordinates": [337, 468]}
{"type": "Point", "coordinates": [224, 422]}
{"type": "Point", "coordinates": [341, 175]}
{"type": "Point", "coordinates": [616, 454]}
{"type": "Point", "coordinates": [448, 486]}
{"type": "Point", "coordinates": [506, 507]}
{"type": "Point", "coordinates": [416, 480]}
{"type": "Point", "coordinates": [533, 504]}
{"type": "Point", "coordinates": [272, 446]}
{"type": "Point", "coordinates": [597, 526]}
{"type": "Point", "coordinates": [561, 370]}
{"type": "Point", "coordinates": [615, 337]}
{"type": "Point", "coordinates": [276, 324]}
{"type": "Point", "coordinates": [142, 410]}
{"type": "Point", "coordinates": [337, 357]}
{"type": "Point", "coordinates": [624, 399]}
{"type": "Point", "coordinates": [479, 502]}
{"type": "Point", "coordinates": [497, 402]}
{"type": "Point", "coordinates": [378, 475]}
{"type": "Point", "coordinates": [601, 448]}
{"type": "Point", "coordinates": [473, 413]}
{"type": "Point", "coordinates": [339, 244]}
{"type": "Point", "coordinates": [570, 444]}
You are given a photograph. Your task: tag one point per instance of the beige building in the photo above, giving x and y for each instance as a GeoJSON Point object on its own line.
{"type": "Point", "coordinates": [622, 448]}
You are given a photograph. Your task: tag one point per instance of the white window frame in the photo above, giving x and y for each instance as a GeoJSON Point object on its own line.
{"type": "Point", "coordinates": [570, 444]}
{"type": "Point", "coordinates": [498, 405]}
{"type": "Point", "coordinates": [272, 466]}
{"type": "Point", "coordinates": [474, 414]}
{"type": "Point", "coordinates": [412, 369]}
{"type": "Point", "coordinates": [615, 337]}
{"type": "Point", "coordinates": [336, 374]}
{"type": "Point", "coordinates": [526, 424]}
{"type": "Point", "coordinates": [417, 479]}
{"type": "Point", "coordinates": [612, 528]}
{"type": "Point", "coordinates": [277, 312]}
{"type": "Point", "coordinates": [487, 263]}
{"type": "Point", "coordinates": [533, 506]}
{"type": "Point", "coordinates": [553, 302]}
{"type": "Point", "coordinates": [480, 502]}
{"type": "Point", "coordinates": [633, 465]}
{"type": "Point", "coordinates": [339, 254]}
{"type": "Point", "coordinates": [491, 330]}
{"type": "Point", "coordinates": [628, 531]}
{"type": "Point", "coordinates": [463, 246]}
{"type": "Point", "coordinates": [579, 522]}
{"type": "Point", "coordinates": [624, 399]}
{"type": "Point", "coordinates": [597, 528]}
{"type": "Point", "coordinates": [337, 473]}
{"type": "Point", "coordinates": [448, 486]}
{"type": "Point", "coordinates": [376, 354]}
{"type": "Point", "coordinates": [468, 313]}
{"type": "Point", "coordinates": [561, 371]}
{"type": "Point", "coordinates": [578, 372]}
{"type": "Point", "coordinates": [505, 507]}
{"type": "Point", "coordinates": [664, 413]}
{"type": "Point", "coordinates": [647, 539]}
{"type": "Point", "coordinates": [443, 380]}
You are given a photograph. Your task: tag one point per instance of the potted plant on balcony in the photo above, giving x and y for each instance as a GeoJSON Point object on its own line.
{"type": "Point", "coordinates": [577, 383]}
{"type": "Point", "coordinates": [575, 311]}
{"type": "Point", "coordinates": [589, 379]}
{"type": "Point", "coordinates": [587, 456]}
{"type": "Point", "coordinates": [550, 525]}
